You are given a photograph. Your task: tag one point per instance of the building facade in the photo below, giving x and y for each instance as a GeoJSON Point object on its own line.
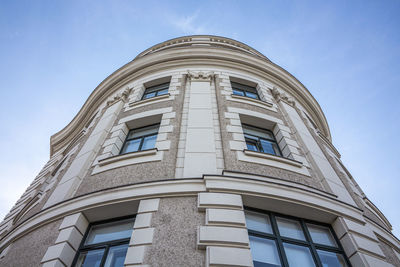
{"type": "Point", "coordinates": [199, 152]}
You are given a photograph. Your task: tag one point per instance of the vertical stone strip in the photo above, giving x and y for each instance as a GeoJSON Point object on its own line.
{"type": "Point", "coordinates": [200, 152]}
{"type": "Point", "coordinates": [224, 235]}
{"type": "Point", "coordinates": [359, 243]}
{"type": "Point", "coordinates": [62, 253]}
{"type": "Point", "coordinates": [217, 128]}
{"type": "Point", "coordinates": [142, 235]}
{"type": "Point", "coordinates": [79, 167]}
{"type": "Point", "coordinates": [180, 159]}
{"type": "Point", "coordinates": [313, 152]}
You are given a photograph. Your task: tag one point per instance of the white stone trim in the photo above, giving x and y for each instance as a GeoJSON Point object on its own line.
{"type": "Point", "coordinates": [223, 236]}
{"type": "Point", "coordinates": [273, 157]}
{"type": "Point", "coordinates": [142, 235]}
{"type": "Point", "coordinates": [110, 157]}
{"type": "Point", "coordinates": [225, 217]}
{"type": "Point", "coordinates": [156, 99]}
{"type": "Point", "coordinates": [71, 233]}
{"type": "Point", "coordinates": [149, 205]}
{"type": "Point", "coordinates": [228, 256]}
{"type": "Point", "coordinates": [274, 162]}
{"type": "Point", "coordinates": [219, 200]}
{"type": "Point", "coordinates": [291, 160]}
{"type": "Point", "coordinates": [291, 194]}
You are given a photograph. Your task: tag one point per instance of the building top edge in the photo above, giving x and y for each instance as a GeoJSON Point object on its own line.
{"type": "Point", "coordinates": [157, 56]}
{"type": "Point", "coordinates": [202, 40]}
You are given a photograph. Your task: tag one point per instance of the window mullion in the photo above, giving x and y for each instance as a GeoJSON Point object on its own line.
{"type": "Point", "coordinates": [309, 240]}
{"type": "Point", "coordinates": [141, 143]}
{"type": "Point", "coordinates": [260, 148]}
{"type": "Point", "coordinates": [103, 259]}
{"type": "Point", "coordinates": [281, 250]}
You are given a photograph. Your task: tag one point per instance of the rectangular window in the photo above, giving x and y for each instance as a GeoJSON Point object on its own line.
{"type": "Point", "coordinates": [141, 139]}
{"type": "Point", "coordinates": [161, 89]}
{"type": "Point", "coordinates": [260, 140]}
{"type": "Point", "coordinates": [244, 90]}
{"type": "Point", "coordinates": [105, 244]}
{"type": "Point", "coordinates": [276, 240]}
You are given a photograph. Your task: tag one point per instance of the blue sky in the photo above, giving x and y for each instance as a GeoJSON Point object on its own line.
{"type": "Point", "coordinates": [347, 53]}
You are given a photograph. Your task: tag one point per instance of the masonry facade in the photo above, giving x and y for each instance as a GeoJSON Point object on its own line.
{"type": "Point", "coordinates": [199, 152]}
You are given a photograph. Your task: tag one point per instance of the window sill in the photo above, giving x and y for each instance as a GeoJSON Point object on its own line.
{"type": "Point", "coordinates": [143, 101]}
{"type": "Point", "coordinates": [268, 104]}
{"type": "Point", "coordinates": [273, 157]}
{"type": "Point", "coordinates": [130, 155]}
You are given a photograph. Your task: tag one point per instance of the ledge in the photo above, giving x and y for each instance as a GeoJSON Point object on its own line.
{"type": "Point", "coordinates": [130, 155]}
{"type": "Point", "coordinates": [143, 101]}
{"type": "Point", "coordinates": [273, 157]}
{"type": "Point", "coordinates": [268, 104]}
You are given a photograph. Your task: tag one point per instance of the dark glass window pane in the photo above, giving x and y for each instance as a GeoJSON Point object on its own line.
{"type": "Point", "coordinates": [267, 147]}
{"type": "Point", "coordinates": [251, 145]}
{"type": "Point", "coordinates": [109, 231]}
{"type": "Point", "coordinates": [163, 92]}
{"type": "Point", "coordinates": [238, 92]}
{"type": "Point", "coordinates": [90, 258]}
{"type": "Point", "coordinates": [290, 228]}
{"type": "Point", "coordinates": [298, 255]}
{"type": "Point", "coordinates": [258, 222]}
{"type": "Point", "coordinates": [149, 95]}
{"type": "Point", "coordinates": [149, 142]}
{"type": "Point", "coordinates": [131, 146]}
{"type": "Point", "coordinates": [264, 252]}
{"type": "Point", "coordinates": [257, 132]}
{"type": "Point", "coordinates": [251, 95]}
{"type": "Point", "coordinates": [331, 259]}
{"type": "Point", "coordinates": [143, 131]}
{"type": "Point", "coordinates": [116, 256]}
{"type": "Point", "coordinates": [321, 235]}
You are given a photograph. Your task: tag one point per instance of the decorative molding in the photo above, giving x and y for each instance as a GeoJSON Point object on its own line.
{"type": "Point", "coordinates": [283, 97]}
{"type": "Point", "coordinates": [121, 96]}
{"type": "Point", "coordinates": [201, 76]}
{"type": "Point", "coordinates": [268, 104]}
{"type": "Point", "coordinates": [130, 155]}
{"type": "Point", "coordinates": [273, 157]}
{"type": "Point", "coordinates": [153, 99]}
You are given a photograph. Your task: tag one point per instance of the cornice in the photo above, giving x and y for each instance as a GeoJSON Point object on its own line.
{"type": "Point", "coordinates": [184, 57]}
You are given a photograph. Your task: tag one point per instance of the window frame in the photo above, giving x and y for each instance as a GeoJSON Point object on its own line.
{"type": "Point", "coordinates": [142, 137]}
{"type": "Point", "coordinates": [155, 88]}
{"type": "Point", "coordinates": [308, 242]}
{"type": "Point", "coordinates": [103, 245]}
{"type": "Point", "coordinates": [244, 88]}
{"type": "Point", "coordinates": [258, 142]}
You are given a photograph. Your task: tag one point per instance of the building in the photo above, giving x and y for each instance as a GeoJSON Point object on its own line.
{"type": "Point", "coordinates": [199, 152]}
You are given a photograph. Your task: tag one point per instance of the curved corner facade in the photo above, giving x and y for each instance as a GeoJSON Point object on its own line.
{"type": "Point", "coordinates": [199, 152]}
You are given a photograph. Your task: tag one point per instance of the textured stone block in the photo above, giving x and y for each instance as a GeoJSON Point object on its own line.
{"type": "Point", "coordinates": [135, 255]}
{"type": "Point", "coordinates": [225, 217]}
{"type": "Point", "coordinates": [77, 220]}
{"type": "Point", "coordinates": [148, 205]}
{"type": "Point", "coordinates": [63, 252]}
{"type": "Point", "coordinates": [222, 256]}
{"type": "Point", "coordinates": [142, 237]}
{"type": "Point", "coordinates": [219, 200]}
{"type": "Point", "coordinates": [229, 236]}
{"type": "Point", "coordinates": [70, 235]}
{"type": "Point", "coordinates": [143, 220]}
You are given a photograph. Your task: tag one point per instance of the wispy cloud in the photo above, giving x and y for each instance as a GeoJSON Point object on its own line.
{"type": "Point", "coordinates": [188, 24]}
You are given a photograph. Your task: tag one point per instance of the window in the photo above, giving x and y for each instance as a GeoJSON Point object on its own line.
{"type": "Point", "coordinates": [260, 140]}
{"type": "Point", "coordinates": [161, 89]}
{"type": "Point", "coordinates": [277, 240]}
{"type": "Point", "coordinates": [105, 244]}
{"type": "Point", "coordinates": [140, 139]}
{"type": "Point", "coordinates": [244, 90]}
